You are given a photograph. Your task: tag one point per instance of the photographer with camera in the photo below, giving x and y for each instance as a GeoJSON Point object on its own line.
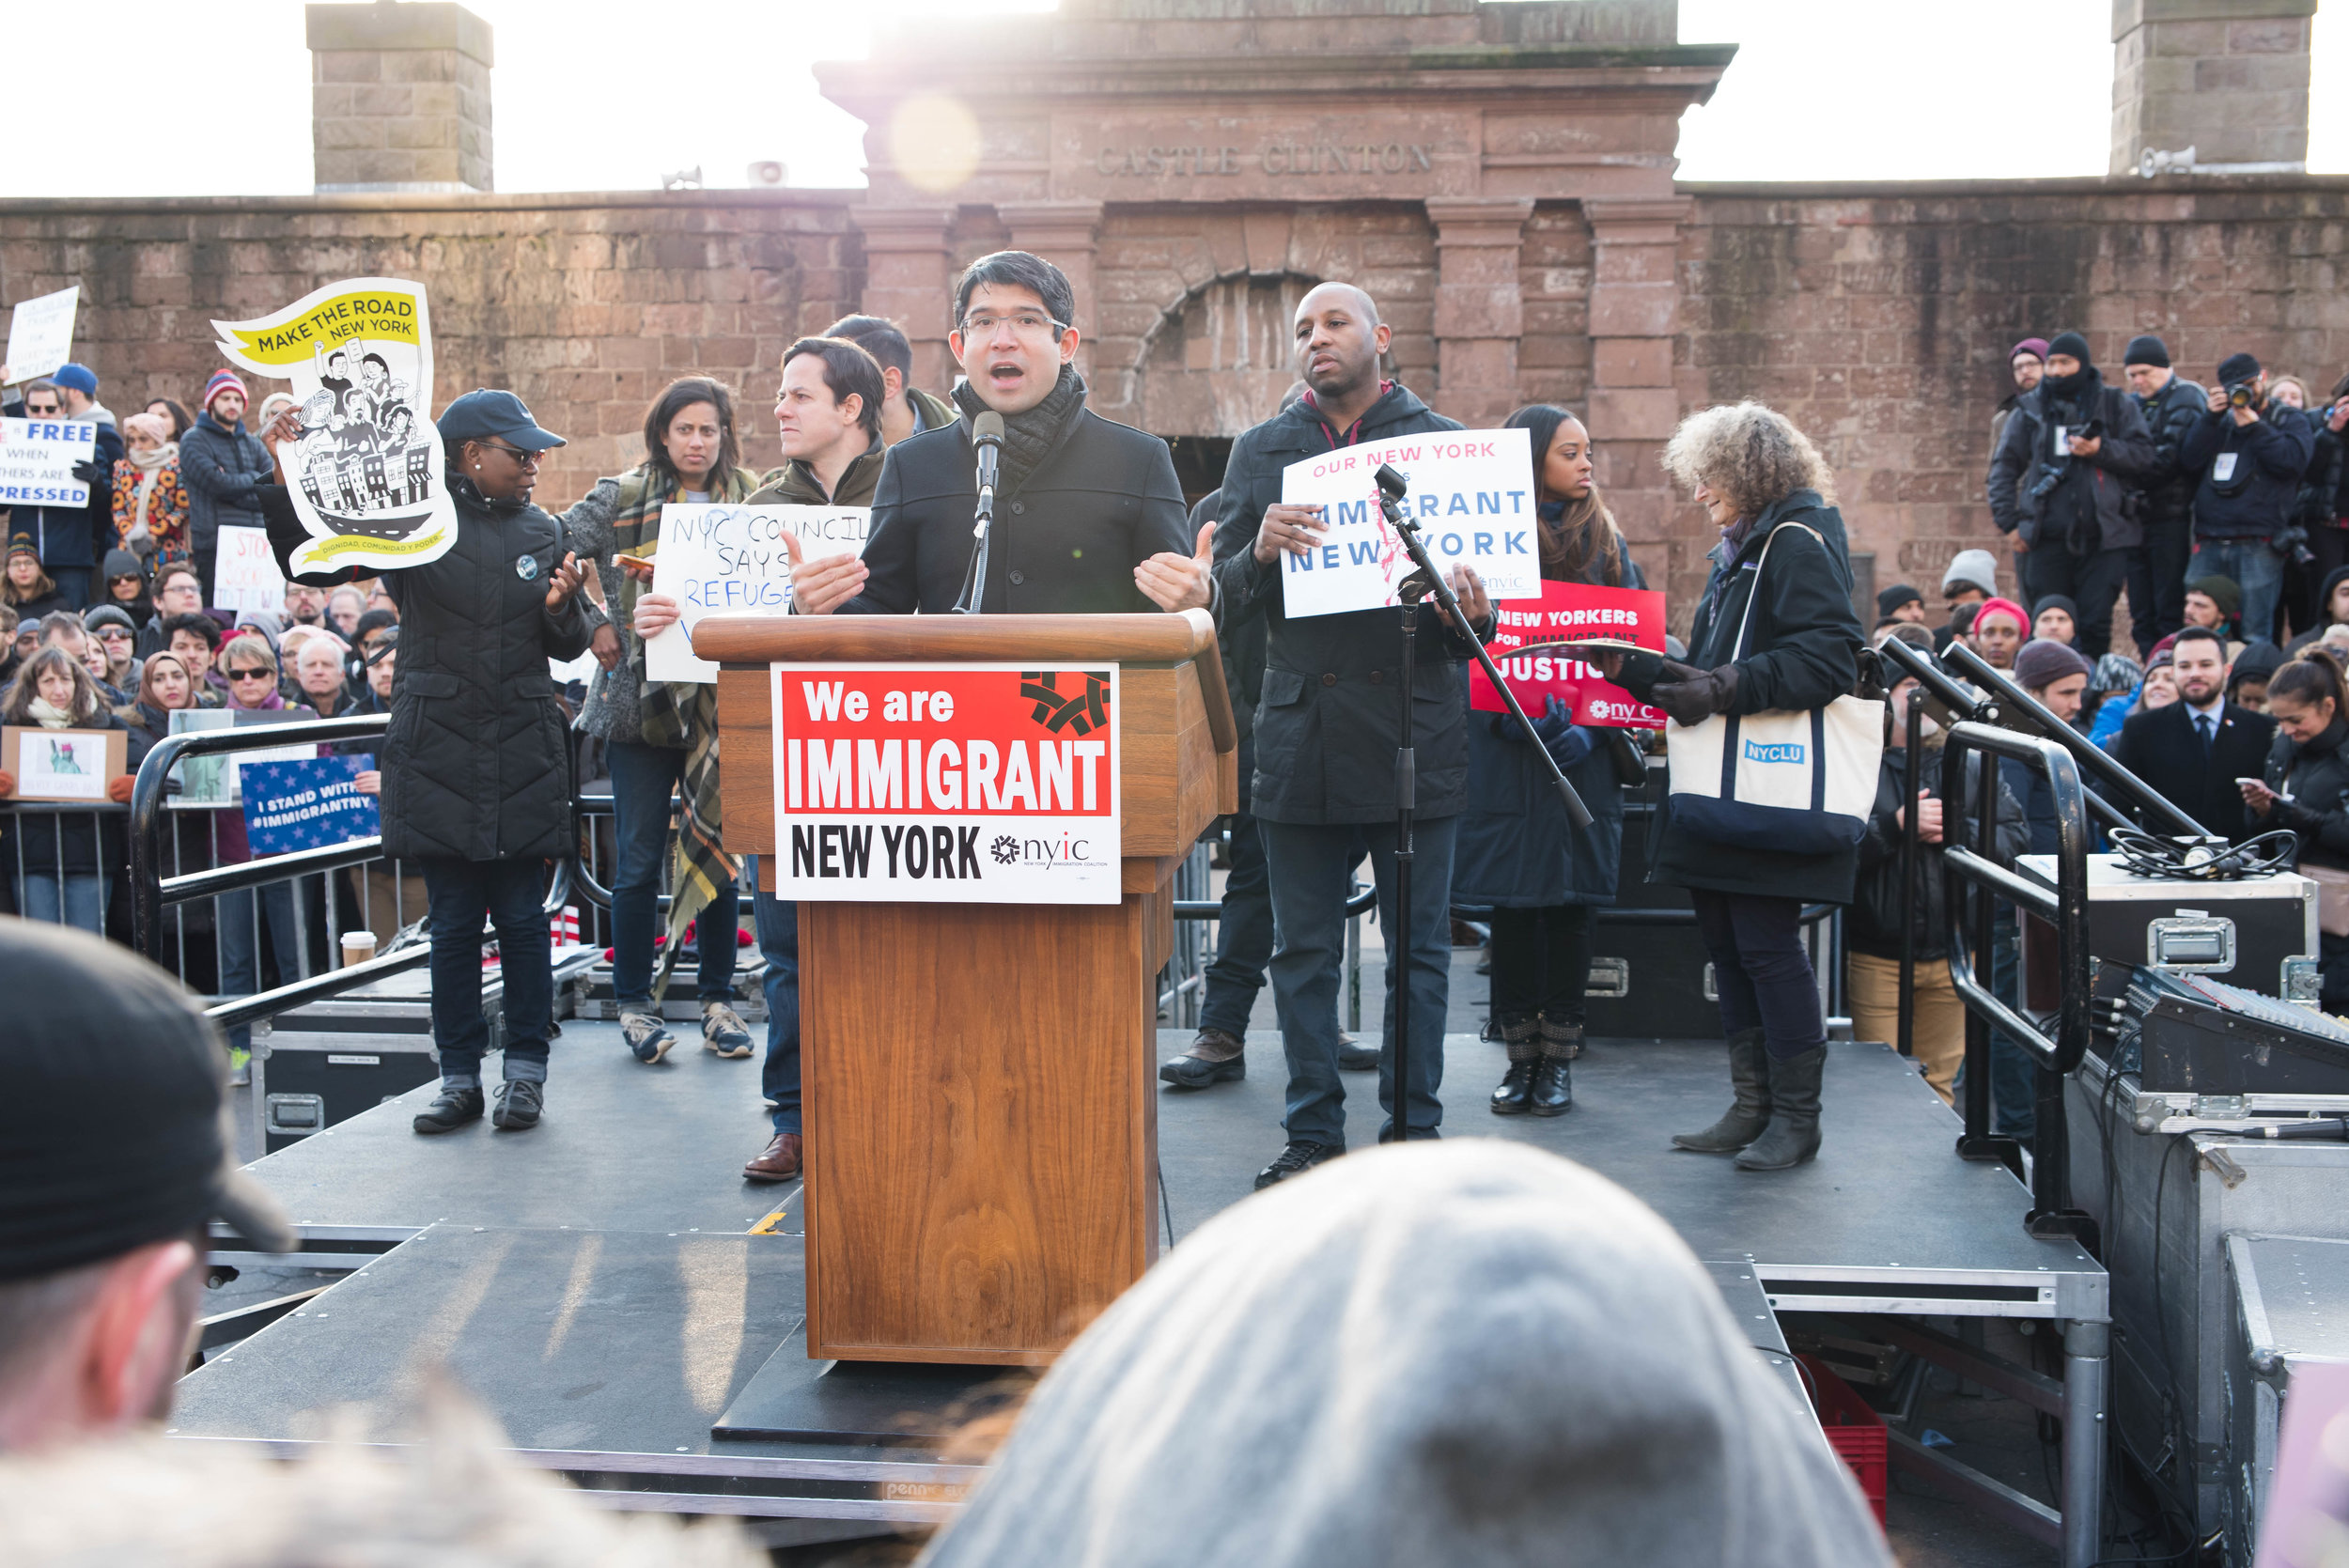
{"type": "Point", "coordinates": [2170, 405]}
{"type": "Point", "coordinates": [2060, 484]}
{"type": "Point", "coordinates": [2248, 452]}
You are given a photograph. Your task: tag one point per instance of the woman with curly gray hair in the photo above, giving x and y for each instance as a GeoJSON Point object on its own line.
{"type": "Point", "coordinates": [1755, 475]}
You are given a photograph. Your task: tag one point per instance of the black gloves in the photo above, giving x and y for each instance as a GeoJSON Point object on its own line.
{"type": "Point", "coordinates": [88, 471]}
{"type": "Point", "coordinates": [1691, 695]}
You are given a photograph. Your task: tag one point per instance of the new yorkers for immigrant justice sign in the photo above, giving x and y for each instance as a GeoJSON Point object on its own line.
{"type": "Point", "coordinates": [1564, 612]}
{"type": "Point", "coordinates": [961, 784]}
{"type": "Point", "coordinates": [1471, 492]}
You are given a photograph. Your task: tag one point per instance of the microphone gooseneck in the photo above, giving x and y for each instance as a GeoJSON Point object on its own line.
{"type": "Point", "coordinates": [986, 441]}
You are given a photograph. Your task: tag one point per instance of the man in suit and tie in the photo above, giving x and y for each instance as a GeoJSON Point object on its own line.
{"type": "Point", "coordinates": [2192, 751]}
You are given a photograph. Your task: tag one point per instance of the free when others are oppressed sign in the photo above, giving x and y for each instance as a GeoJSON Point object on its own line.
{"type": "Point", "coordinates": [959, 784]}
{"type": "Point", "coordinates": [1471, 494]}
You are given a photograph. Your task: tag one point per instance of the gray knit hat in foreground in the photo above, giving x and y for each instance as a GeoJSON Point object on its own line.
{"type": "Point", "coordinates": [1467, 1353]}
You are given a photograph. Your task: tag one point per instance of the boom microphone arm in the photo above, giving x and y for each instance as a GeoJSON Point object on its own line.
{"type": "Point", "coordinates": [1392, 489]}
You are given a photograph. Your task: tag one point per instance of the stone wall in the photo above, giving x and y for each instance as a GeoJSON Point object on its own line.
{"type": "Point", "coordinates": [1877, 317]}
{"type": "Point", "coordinates": [584, 306]}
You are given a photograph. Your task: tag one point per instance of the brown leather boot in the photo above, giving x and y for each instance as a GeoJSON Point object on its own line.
{"type": "Point", "coordinates": [1217, 1056]}
{"type": "Point", "coordinates": [780, 1162]}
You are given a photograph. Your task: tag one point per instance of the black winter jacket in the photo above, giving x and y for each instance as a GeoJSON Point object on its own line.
{"type": "Point", "coordinates": [2169, 414]}
{"type": "Point", "coordinates": [1515, 850]}
{"type": "Point", "coordinates": [2256, 500]}
{"type": "Point", "coordinates": [2320, 501]}
{"type": "Point", "coordinates": [1065, 542]}
{"type": "Point", "coordinates": [222, 468]}
{"type": "Point", "coordinates": [1802, 652]}
{"type": "Point", "coordinates": [1873, 924]}
{"type": "Point", "coordinates": [476, 763]}
{"type": "Point", "coordinates": [89, 842]}
{"type": "Point", "coordinates": [2101, 483]}
{"type": "Point", "coordinates": [2316, 776]}
{"type": "Point", "coordinates": [1327, 717]}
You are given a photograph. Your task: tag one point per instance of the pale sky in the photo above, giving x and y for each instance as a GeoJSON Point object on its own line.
{"type": "Point", "coordinates": [163, 97]}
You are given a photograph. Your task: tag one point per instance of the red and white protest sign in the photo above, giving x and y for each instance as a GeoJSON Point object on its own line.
{"type": "Point", "coordinates": [957, 784]}
{"type": "Point", "coordinates": [1571, 612]}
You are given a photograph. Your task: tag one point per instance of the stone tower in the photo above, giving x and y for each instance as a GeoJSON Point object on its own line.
{"type": "Point", "coordinates": [2228, 78]}
{"type": "Point", "coordinates": [400, 97]}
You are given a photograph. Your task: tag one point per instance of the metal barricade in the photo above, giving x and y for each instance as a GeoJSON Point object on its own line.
{"type": "Point", "coordinates": [46, 894]}
{"type": "Point", "coordinates": [153, 891]}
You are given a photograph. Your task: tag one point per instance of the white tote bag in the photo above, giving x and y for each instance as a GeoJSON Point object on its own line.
{"type": "Point", "coordinates": [1797, 782]}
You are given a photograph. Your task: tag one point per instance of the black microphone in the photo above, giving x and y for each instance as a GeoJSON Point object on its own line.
{"type": "Point", "coordinates": [987, 434]}
{"type": "Point", "coordinates": [1391, 483]}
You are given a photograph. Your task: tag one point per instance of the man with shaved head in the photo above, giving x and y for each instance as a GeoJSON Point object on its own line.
{"type": "Point", "coordinates": [1327, 728]}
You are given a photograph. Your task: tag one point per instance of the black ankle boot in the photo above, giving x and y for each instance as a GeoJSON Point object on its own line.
{"type": "Point", "coordinates": [1553, 1075]}
{"type": "Point", "coordinates": [1745, 1119]}
{"type": "Point", "coordinates": [452, 1110]}
{"type": "Point", "coordinates": [1516, 1087]}
{"type": "Point", "coordinates": [1793, 1135]}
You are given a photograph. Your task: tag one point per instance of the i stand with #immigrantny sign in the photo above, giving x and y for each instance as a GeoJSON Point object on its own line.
{"type": "Point", "coordinates": [961, 783]}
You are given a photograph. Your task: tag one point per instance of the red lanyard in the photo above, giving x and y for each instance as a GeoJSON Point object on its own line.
{"type": "Point", "coordinates": [1353, 431]}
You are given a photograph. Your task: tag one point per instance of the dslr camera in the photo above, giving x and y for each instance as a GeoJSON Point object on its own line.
{"type": "Point", "coordinates": [2242, 395]}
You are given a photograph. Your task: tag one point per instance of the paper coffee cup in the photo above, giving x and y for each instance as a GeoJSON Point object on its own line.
{"type": "Point", "coordinates": [358, 947]}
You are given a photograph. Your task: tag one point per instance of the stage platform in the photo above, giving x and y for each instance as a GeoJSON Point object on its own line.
{"type": "Point", "coordinates": [628, 1307]}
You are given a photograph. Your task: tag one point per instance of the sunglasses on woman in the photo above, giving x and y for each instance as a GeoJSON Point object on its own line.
{"type": "Point", "coordinates": [248, 674]}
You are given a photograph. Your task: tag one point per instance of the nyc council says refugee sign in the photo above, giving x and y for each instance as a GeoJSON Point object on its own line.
{"type": "Point", "coordinates": [961, 784]}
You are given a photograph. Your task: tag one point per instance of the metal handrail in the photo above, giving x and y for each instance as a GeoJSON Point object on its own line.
{"type": "Point", "coordinates": [2001, 702]}
{"type": "Point", "coordinates": [583, 804]}
{"type": "Point", "coordinates": [2052, 1212]}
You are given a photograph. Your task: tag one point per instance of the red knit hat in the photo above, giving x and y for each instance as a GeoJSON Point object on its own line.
{"type": "Point", "coordinates": [2002, 606]}
{"type": "Point", "coordinates": [224, 380]}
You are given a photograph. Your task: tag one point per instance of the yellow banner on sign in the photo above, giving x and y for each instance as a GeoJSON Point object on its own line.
{"type": "Point", "coordinates": [363, 313]}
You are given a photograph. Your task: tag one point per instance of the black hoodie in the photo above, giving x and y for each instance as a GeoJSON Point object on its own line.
{"type": "Point", "coordinates": [2338, 576]}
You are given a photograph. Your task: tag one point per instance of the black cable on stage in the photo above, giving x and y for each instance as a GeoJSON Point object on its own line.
{"type": "Point", "coordinates": [2144, 854]}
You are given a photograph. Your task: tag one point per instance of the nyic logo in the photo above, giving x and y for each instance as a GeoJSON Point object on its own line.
{"type": "Point", "coordinates": [1757, 752]}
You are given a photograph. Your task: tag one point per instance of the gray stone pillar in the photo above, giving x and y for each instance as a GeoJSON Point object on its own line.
{"type": "Point", "coordinates": [2228, 78]}
{"type": "Point", "coordinates": [400, 97]}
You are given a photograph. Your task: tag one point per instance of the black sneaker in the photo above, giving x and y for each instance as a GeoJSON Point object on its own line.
{"type": "Point", "coordinates": [453, 1110]}
{"type": "Point", "coordinates": [1355, 1057]}
{"type": "Point", "coordinates": [1302, 1155]}
{"type": "Point", "coordinates": [645, 1036]}
{"type": "Point", "coordinates": [520, 1100]}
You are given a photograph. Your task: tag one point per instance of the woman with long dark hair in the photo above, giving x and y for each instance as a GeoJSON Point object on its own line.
{"type": "Point", "coordinates": [1517, 852]}
{"type": "Point", "coordinates": [61, 856]}
{"type": "Point", "coordinates": [2307, 789]}
{"type": "Point", "coordinates": [693, 453]}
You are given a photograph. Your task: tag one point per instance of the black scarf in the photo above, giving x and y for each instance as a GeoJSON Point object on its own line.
{"type": "Point", "coordinates": [2071, 401]}
{"type": "Point", "coordinates": [1030, 436]}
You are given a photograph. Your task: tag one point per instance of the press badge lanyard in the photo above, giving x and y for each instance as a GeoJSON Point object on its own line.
{"type": "Point", "coordinates": [1353, 431]}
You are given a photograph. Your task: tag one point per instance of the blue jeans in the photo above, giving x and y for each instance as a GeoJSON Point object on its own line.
{"type": "Point", "coordinates": [2257, 569]}
{"type": "Point", "coordinates": [75, 898]}
{"type": "Point", "coordinates": [2014, 1075]}
{"type": "Point", "coordinates": [240, 945]}
{"type": "Point", "coordinates": [1244, 934]}
{"type": "Point", "coordinates": [1310, 869]}
{"type": "Point", "coordinates": [778, 922]}
{"type": "Point", "coordinates": [643, 778]}
{"type": "Point", "coordinates": [512, 895]}
{"type": "Point", "coordinates": [1761, 969]}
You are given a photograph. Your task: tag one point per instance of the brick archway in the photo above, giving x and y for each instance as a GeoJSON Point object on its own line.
{"type": "Point", "coordinates": [1217, 360]}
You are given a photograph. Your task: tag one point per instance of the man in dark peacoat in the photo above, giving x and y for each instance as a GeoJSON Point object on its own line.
{"type": "Point", "coordinates": [1326, 732]}
{"type": "Point", "coordinates": [2166, 748]}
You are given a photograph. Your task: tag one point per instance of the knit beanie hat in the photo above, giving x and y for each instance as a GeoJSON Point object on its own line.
{"type": "Point", "coordinates": [23, 545]}
{"type": "Point", "coordinates": [2069, 343]}
{"type": "Point", "coordinates": [1970, 569]}
{"type": "Point", "coordinates": [108, 614]}
{"type": "Point", "coordinates": [223, 380]}
{"type": "Point", "coordinates": [2055, 601]}
{"type": "Point", "coordinates": [1995, 606]}
{"type": "Point", "coordinates": [1897, 595]}
{"type": "Point", "coordinates": [2036, 347]}
{"type": "Point", "coordinates": [2041, 663]}
{"type": "Point", "coordinates": [76, 378]}
{"type": "Point", "coordinates": [123, 563]}
{"type": "Point", "coordinates": [2221, 591]}
{"type": "Point", "coordinates": [2147, 350]}
{"type": "Point", "coordinates": [2237, 367]}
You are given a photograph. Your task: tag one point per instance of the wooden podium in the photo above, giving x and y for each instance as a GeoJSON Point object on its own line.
{"type": "Point", "coordinates": [979, 1079]}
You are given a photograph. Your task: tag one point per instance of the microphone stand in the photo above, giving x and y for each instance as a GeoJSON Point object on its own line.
{"type": "Point", "coordinates": [987, 438]}
{"type": "Point", "coordinates": [1424, 578]}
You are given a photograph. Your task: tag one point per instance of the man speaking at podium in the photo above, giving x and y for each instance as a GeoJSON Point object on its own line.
{"type": "Point", "coordinates": [1088, 515]}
